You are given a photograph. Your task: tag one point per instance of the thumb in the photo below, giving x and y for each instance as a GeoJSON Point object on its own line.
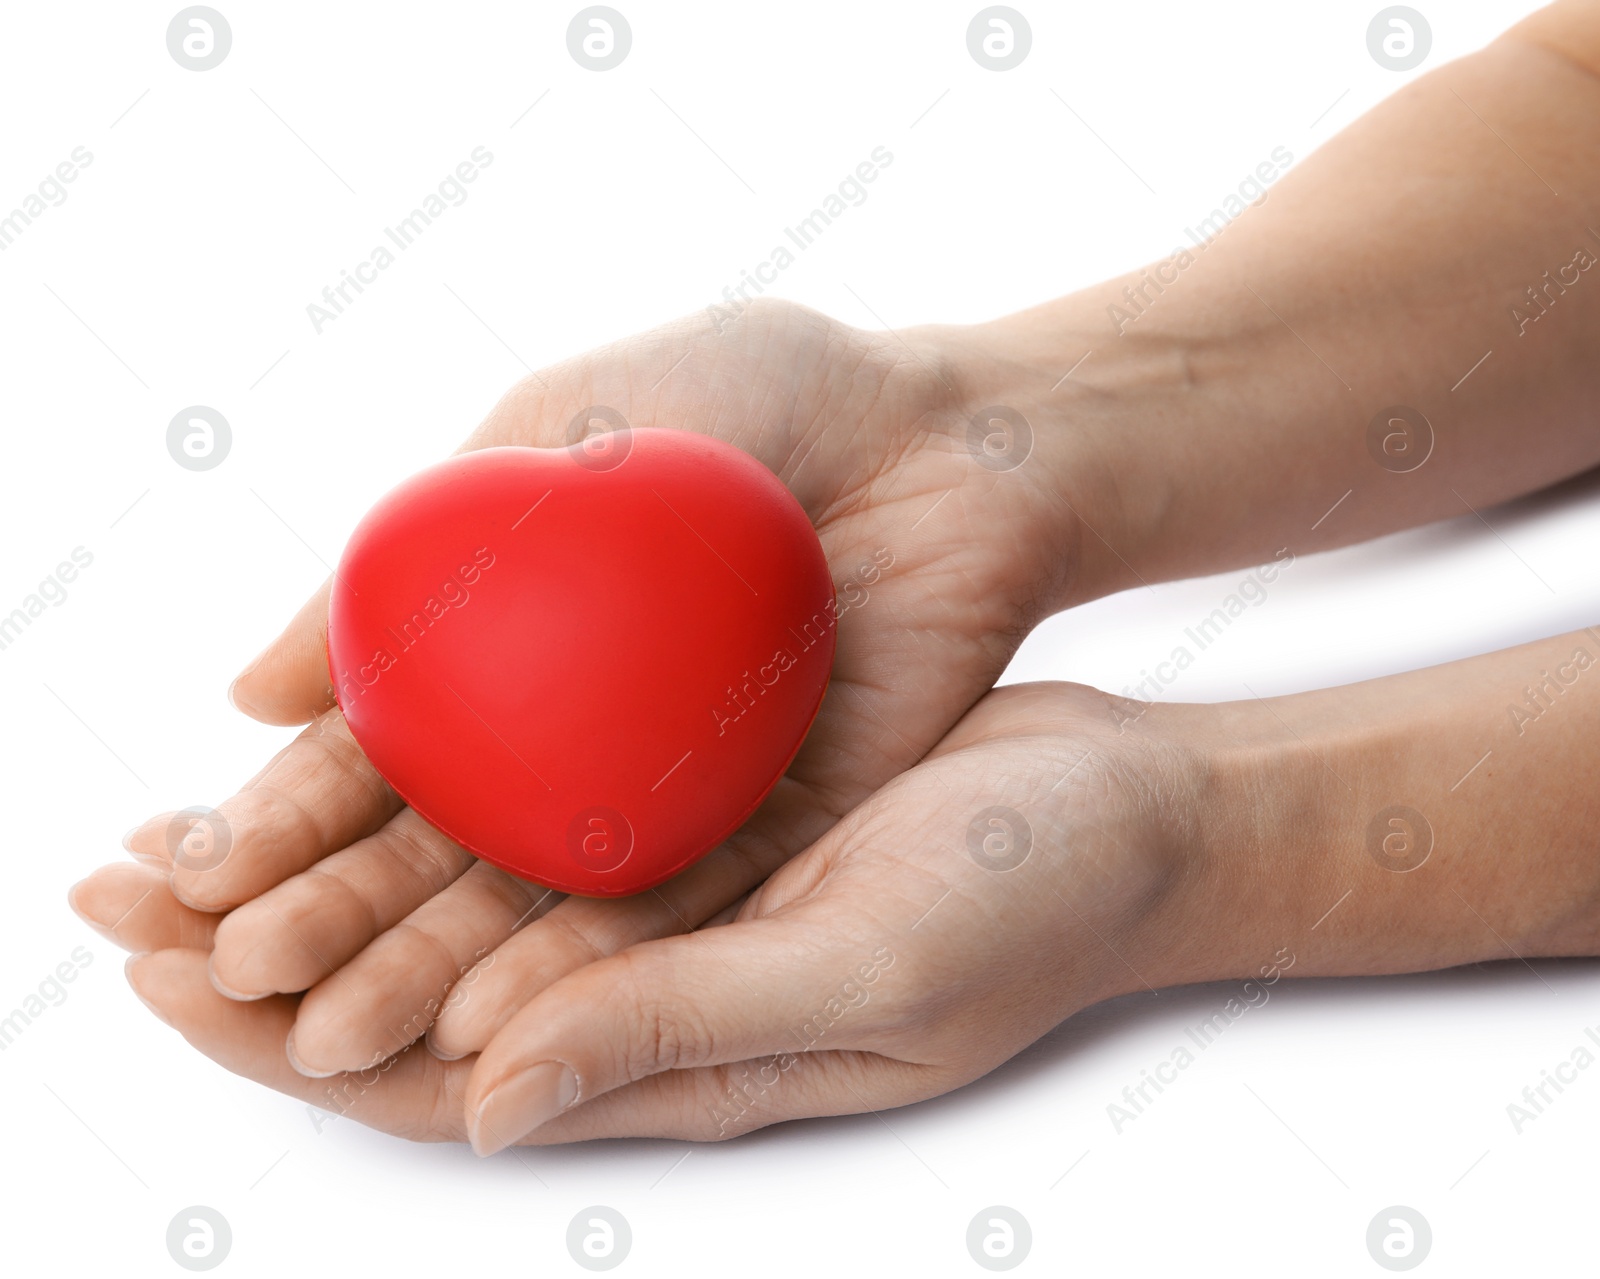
{"type": "Point", "coordinates": [728, 994]}
{"type": "Point", "coordinates": [288, 683]}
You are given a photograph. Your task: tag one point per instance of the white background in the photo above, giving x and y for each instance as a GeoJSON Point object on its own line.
{"type": "Point", "coordinates": [187, 253]}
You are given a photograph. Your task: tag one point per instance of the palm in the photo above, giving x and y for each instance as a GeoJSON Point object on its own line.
{"type": "Point", "coordinates": [933, 557]}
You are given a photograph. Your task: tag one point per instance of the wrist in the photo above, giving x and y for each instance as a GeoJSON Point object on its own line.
{"type": "Point", "coordinates": [1029, 410]}
{"type": "Point", "coordinates": [1139, 440]}
{"type": "Point", "coordinates": [1402, 824]}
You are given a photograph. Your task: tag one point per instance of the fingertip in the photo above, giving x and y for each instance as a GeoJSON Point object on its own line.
{"type": "Point", "coordinates": [451, 1037]}
{"type": "Point", "coordinates": [433, 1046]}
{"type": "Point", "coordinates": [267, 693]}
{"type": "Point", "coordinates": [105, 898]}
{"type": "Point", "coordinates": [234, 699]}
{"type": "Point", "coordinates": [185, 893]}
{"type": "Point", "coordinates": [277, 708]}
{"type": "Point", "coordinates": [72, 902]}
{"type": "Point", "coordinates": [287, 682]}
{"type": "Point", "coordinates": [483, 1144]}
{"type": "Point", "coordinates": [137, 972]}
{"type": "Point", "coordinates": [300, 1067]}
{"type": "Point", "coordinates": [223, 989]}
{"type": "Point", "coordinates": [149, 838]}
{"type": "Point", "coordinates": [519, 1103]}
{"type": "Point", "coordinates": [82, 911]}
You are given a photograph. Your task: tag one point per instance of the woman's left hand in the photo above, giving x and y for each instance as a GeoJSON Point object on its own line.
{"type": "Point", "coordinates": [1028, 867]}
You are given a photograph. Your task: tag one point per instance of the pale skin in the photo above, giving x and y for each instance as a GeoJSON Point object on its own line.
{"type": "Point", "coordinates": [1169, 843]}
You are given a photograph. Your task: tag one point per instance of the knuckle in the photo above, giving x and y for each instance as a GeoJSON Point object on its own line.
{"type": "Point", "coordinates": [441, 1118]}
{"type": "Point", "coordinates": [733, 1100]}
{"type": "Point", "coordinates": [426, 953]}
{"type": "Point", "coordinates": [665, 1035]}
{"type": "Point", "coordinates": [513, 896]}
{"type": "Point", "coordinates": [266, 811]}
{"type": "Point", "coordinates": [777, 311]}
{"type": "Point", "coordinates": [335, 746]}
{"type": "Point", "coordinates": [660, 1043]}
{"type": "Point", "coordinates": [420, 852]}
{"type": "Point", "coordinates": [754, 859]}
{"type": "Point", "coordinates": [321, 891]}
{"type": "Point", "coordinates": [564, 939]}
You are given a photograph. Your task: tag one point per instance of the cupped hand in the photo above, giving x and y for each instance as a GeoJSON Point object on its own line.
{"type": "Point", "coordinates": [943, 554]}
{"type": "Point", "coordinates": [1038, 860]}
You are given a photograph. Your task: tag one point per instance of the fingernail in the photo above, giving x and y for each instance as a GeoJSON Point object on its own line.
{"type": "Point", "coordinates": [520, 1104]}
{"type": "Point", "coordinates": [234, 700]}
{"type": "Point", "coordinates": [172, 883]}
{"type": "Point", "coordinates": [79, 911]}
{"type": "Point", "coordinates": [146, 828]}
{"type": "Point", "coordinates": [300, 1066]}
{"type": "Point", "coordinates": [240, 703]}
{"type": "Point", "coordinates": [99, 909]}
{"type": "Point", "coordinates": [133, 984]}
{"type": "Point", "coordinates": [192, 902]}
{"type": "Point", "coordinates": [438, 1051]}
{"type": "Point", "coordinates": [211, 971]}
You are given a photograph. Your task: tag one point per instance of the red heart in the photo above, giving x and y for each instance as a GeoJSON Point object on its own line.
{"type": "Point", "coordinates": [585, 665]}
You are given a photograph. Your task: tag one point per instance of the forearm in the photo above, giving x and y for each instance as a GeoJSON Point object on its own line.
{"type": "Point", "coordinates": [1439, 817]}
{"type": "Point", "coordinates": [1229, 417]}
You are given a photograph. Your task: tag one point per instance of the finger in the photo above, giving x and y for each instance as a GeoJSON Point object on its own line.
{"type": "Point", "coordinates": [389, 994]}
{"type": "Point", "coordinates": [318, 795]}
{"type": "Point", "coordinates": [705, 999]}
{"type": "Point", "coordinates": [583, 929]}
{"type": "Point", "coordinates": [288, 682]}
{"type": "Point", "coordinates": [294, 935]}
{"type": "Point", "coordinates": [714, 1103]}
{"type": "Point", "coordinates": [411, 1095]}
{"type": "Point", "coordinates": [133, 906]}
{"type": "Point", "coordinates": [146, 843]}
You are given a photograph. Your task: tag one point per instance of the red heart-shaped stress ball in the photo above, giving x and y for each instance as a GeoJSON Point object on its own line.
{"type": "Point", "coordinates": [586, 665]}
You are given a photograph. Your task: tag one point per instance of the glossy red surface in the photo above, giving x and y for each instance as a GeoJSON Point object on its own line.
{"type": "Point", "coordinates": [586, 665]}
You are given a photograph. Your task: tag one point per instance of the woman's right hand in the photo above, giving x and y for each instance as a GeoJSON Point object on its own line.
{"type": "Point", "coordinates": [948, 532]}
